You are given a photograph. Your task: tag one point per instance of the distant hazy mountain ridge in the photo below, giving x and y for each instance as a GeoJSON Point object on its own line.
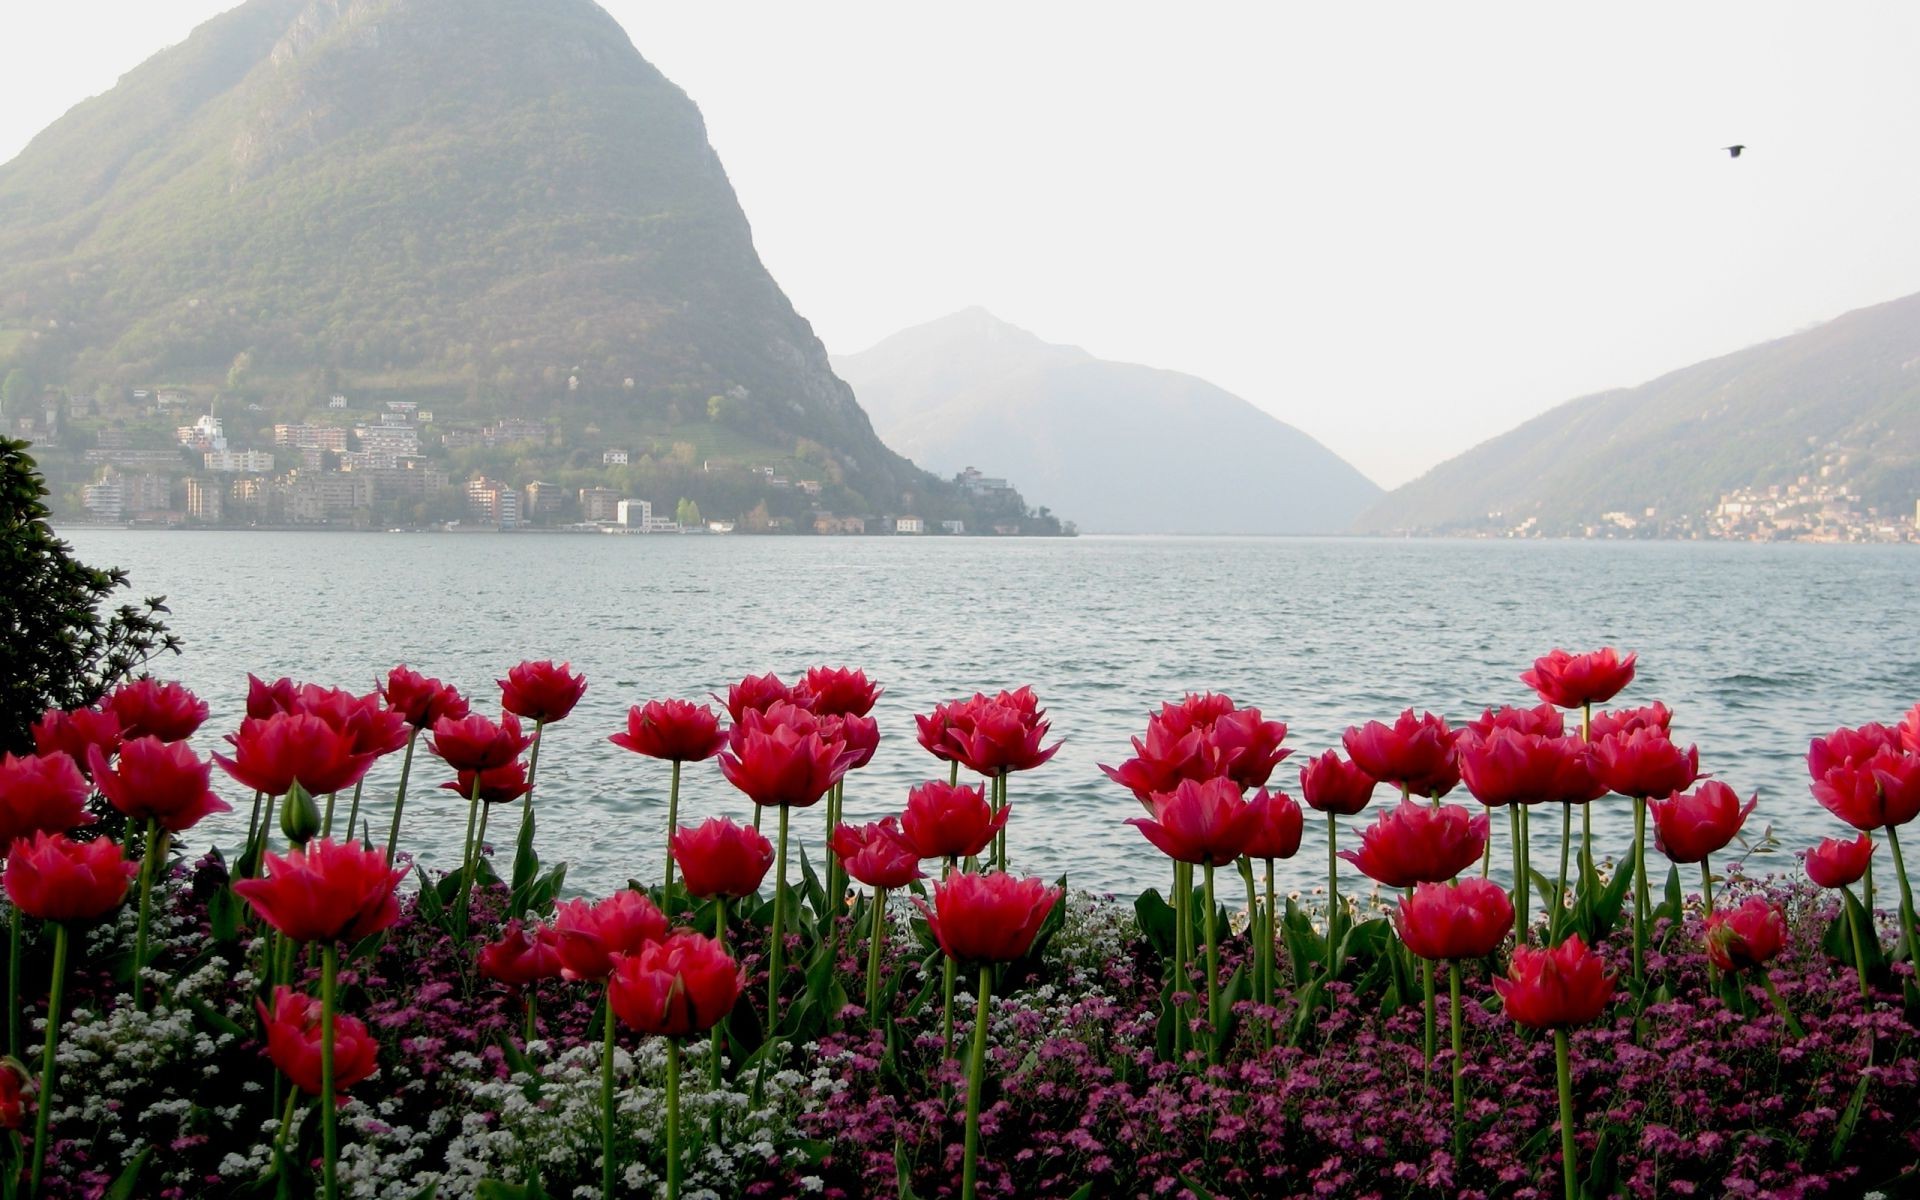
{"type": "Point", "coordinates": [1119, 447]}
{"type": "Point", "coordinates": [1838, 404]}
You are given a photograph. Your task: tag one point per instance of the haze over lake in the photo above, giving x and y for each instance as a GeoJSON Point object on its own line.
{"type": "Point", "coordinates": [1757, 648]}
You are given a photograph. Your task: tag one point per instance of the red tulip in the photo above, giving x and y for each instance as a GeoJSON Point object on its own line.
{"type": "Point", "coordinates": [782, 759]}
{"type": "Point", "coordinates": [474, 743]}
{"type": "Point", "coordinates": [1001, 735]}
{"type": "Point", "coordinates": [1164, 758]}
{"type": "Point", "coordinates": [294, 1043]}
{"type": "Point", "coordinates": [164, 781]}
{"type": "Point", "coordinates": [720, 858]}
{"type": "Point", "coordinates": [945, 820]}
{"type": "Point", "coordinates": [1555, 988]}
{"type": "Point", "coordinates": [1849, 748]}
{"type": "Point", "coordinates": [422, 701]}
{"type": "Point", "coordinates": [42, 793]}
{"type": "Point", "coordinates": [1195, 710]}
{"type": "Point", "coordinates": [326, 891]}
{"type": "Point", "coordinates": [1543, 720]}
{"type": "Point", "coordinates": [1644, 763]}
{"type": "Point", "coordinates": [72, 732]}
{"type": "Point", "coordinates": [755, 693]}
{"type": "Point", "coordinates": [1748, 936]}
{"type": "Point", "coordinates": [1206, 822]}
{"type": "Point", "coordinates": [678, 987]}
{"type": "Point", "coordinates": [1910, 731]}
{"type": "Point", "coordinates": [1249, 745]}
{"type": "Point", "coordinates": [1418, 843]}
{"type": "Point", "coordinates": [1656, 716]}
{"type": "Point", "coordinates": [53, 878]}
{"type": "Point", "coordinates": [265, 699]}
{"type": "Point", "coordinates": [1468, 919]}
{"type": "Point", "coordinates": [1691, 825]}
{"type": "Point", "coordinates": [1573, 680]}
{"type": "Point", "coordinates": [1414, 752]}
{"type": "Point", "coordinates": [678, 730]}
{"type": "Point", "coordinates": [988, 918]}
{"type": "Point", "coordinates": [1882, 791]}
{"type": "Point", "coordinates": [523, 956]}
{"type": "Point", "coordinates": [935, 726]}
{"type": "Point", "coordinates": [860, 735]}
{"type": "Point", "coordinates": [13, 1109]}
{"type": "Point", "coordinates": [1507, 766]}
{"type": "Point", "coordinates": [360, 719]}
{"type": "Point", "coordinates": [837, 692]}
{"type": "Point", "coordinates": [541, 691]}
{"type": "Point", "coordinates": [878, 855]}
{"type": "Point", "coordinates": [593, 932]}
{"type": "Point", "coordinates": [270, 755]}
{"type": "Point", "coordinates": [500, 785]}
{"type": "Point", "coordinates": [149, 708]}
{"type": "Point", "coordinates": [1331, 784]}
{"type": "Point", "coordinates": [1835, 864]}
{"type": "Point", "coordinates": [1277, 826]}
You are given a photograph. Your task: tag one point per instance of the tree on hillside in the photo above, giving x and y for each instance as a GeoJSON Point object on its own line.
{"type": "Point", "coordinates": [57, 649]}
{"type": "Point", "coordinates": [15, 392]}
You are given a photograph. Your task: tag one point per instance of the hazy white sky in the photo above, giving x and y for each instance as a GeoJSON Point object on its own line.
{"type": "Point", "coordinates": [1403, 228]}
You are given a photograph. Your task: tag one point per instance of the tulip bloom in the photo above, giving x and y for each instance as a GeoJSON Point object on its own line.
{"type": "Point", "coordinates": [675, 730]}
{"type": "Point", "coordinates": [541, 692]}
{"type": "Point", "coordinates": [878, 855]}
{"type": "Point", "coordinates": [72, 732]}
{"type": "Point", "coordinates": [1277, 826]}
{"type": "Point", "coordinates": [1163, 758]}
{"type": "Point", "coordinates": [755, 693]}
{"type": "Point", "coordinates": [273, 754]}
{"type": "Point", "coordinates": [1464, 921]}
{"type": "Point", "coordinates": [294, 1041]}
{"type": "Point", "coordinates": [950, 821]}
{"type": "Point", "coordinates": [164, 783]}
{"type": "Point", "coordinates": [1414, 752]}
{"type": "Point", "coordinates": [721, 859]}
{"type": "Point", "coordinates": [1837, 864]}
{"type": "Point", "coordinates": [500, 785]}
{"type": "Point", "coordinates": [782, 760]}
{"type": "Point", "coordinates": [1416, 843]}
{"type": "Point", "coordinates": [1543, 720]}
{"type": "Point", "coordinates": [1335, 786]}
{"type": "Point", "coordinates": [422, 701]}
{"type": "Point", "coordinates": [1692, 825]}
{"type": "Point", "coordinates": [1643, 763]}
{"type": "Point", "coordinates": [265, 699]}
{"type": "Point", "coordinates": [1877, 792]}
{"type": "Point", "coordinates": [1850, 747]}
{"type": "Point", "coordinates": [1750, 935]}
{"type": "Point", "coordinates": [837, 692]}
{"type": "Point", "coordinates": [672, 989]}
{"type": "Point", "coordinates": [1554, 989]}
{"type": "Point", "coordinates": [1578, 680]}
{"type": "Point", "coordinates": [1656, 716]}
{"type": "Point", "coordinates": [1250, 745]}
{"type": "Point", "coordinates": [981, 920]}
{"type": "Point", "coordinates": [1910, 731]}
{"type": "Point", "coordinates": [1204, 823]}
{"type": "Point", "coordinates": [1509, 767]}
{"type": "Point", "coordinates": [935, 726]}
{"type": "Point", "coordinates": [325, 892]}
{"type": "Point", "coordinates": [523, 955]}
{"type": "Point", "coordinates": [148, 708]}
{"type": "Point", "coordinates": [13, 1110]}
{"type": "Point", "coordinates": [43, 793]}
{"type": "Point", "coordinates": [861, 736]}
{"type": "Point", "coordinates": [474, 743]}
{"type": "Point", "coordinates": [592, 932]}
{"type": "Point", "coordinates": [997, 737]}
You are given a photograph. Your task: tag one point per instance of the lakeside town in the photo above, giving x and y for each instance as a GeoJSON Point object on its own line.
{"type": "Point", "coordinates": [118, 458]}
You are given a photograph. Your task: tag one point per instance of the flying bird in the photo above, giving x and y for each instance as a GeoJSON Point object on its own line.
{"type": "Point", "coordinates": [1734, 151]}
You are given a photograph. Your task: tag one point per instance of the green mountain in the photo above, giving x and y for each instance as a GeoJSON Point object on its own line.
{"type": "Point", "coordinates": [493, 206]}
{"type": "Point", "coordinates": [1122, 447]}
{"type": "Point", "coordinates": [1838, 403]}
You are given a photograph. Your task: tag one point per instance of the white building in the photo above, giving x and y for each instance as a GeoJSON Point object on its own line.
{"type": "Point", "coordinates": [249, 462]}
{"type": "Point", "coordinates": [909, 525]}
{"type": "Point", "coordinates": [634, 514]}
{"type": "Point", "coordinates": [613, 458]}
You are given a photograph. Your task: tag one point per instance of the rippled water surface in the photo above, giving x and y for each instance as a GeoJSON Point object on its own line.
{"type": "Point", "coordinates": [1756, 647]}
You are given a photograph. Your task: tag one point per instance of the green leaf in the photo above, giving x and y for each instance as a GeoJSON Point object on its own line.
{"type": "Point", "coordinates": [212, 1017]}
{"type": "Point", "coordinates": [495, 1189]}
{"type": "Point", "coordinates": [1156, 918]}
{"type": "Point", "coordinates": [1303, 945]}
{"type": "Point", "coordinates": [1843, 1133]}
{"type": "Point", "coordinates": [816, 892]}
{"type": "Point", "coordinates": [903, 1170]}
{"type": "Point", "coordinates": [1232, 994]}
{"type": "Point", "coordinates": [1199, 1193]}
{"type": "Point", "coordinates": [526, 868]}
{"type": "Point", "coordinates": [124, 1184]}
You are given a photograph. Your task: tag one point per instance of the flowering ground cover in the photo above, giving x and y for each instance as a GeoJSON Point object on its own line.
{"type": "Point", "coordinates": [801, 1006]}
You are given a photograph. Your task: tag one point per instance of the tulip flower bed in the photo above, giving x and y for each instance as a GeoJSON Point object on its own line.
{"type": "Point", "coordinates": [914, 1018]}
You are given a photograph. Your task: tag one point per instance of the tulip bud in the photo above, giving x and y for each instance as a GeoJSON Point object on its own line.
{"type": "Point", "coordinates": [299, 816]}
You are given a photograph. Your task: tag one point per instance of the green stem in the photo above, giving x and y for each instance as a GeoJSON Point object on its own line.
{"type": "Point", "coordinates": [1866, 897]}
{"type": "Point", "coordinates": [946, 1011]}
{"type": "Point", "coordinates": [1520, 921]}
{"type": "Point", "coordinates": [1526, 869]}
{"type": "Point", "coordinates": [154, 848]}
{"type": "Point", "coordinates": [606, 1099]}
{"type": "Point", "coordinates": [1706, 899]}
{"type": "Point", "coordinates": [282, 1185]}
{"type": "Point", "coordinates": [473, 821]}
{"type": "Point", "coordinates": [1459, 1074]}
{"type": "Point", "coordinates": [1426, 979]}
{"type": "Point", "coordinates": [1560, 885]}
{"type": "Point", "coordinates": [533, 773]}
{"type": "Point", "coordinates": [876, 932]}
{"type": "Point", "coordinates": [253, 822]}
{"type": "Point", "coordinates": [673, 1119]}
{"type": "Point", "coordinates": [953, 773]}
{"type": "Point", "coordinates": [1268, 938]}
{"type": "Point", "coordinates": [400, 797]}
{"type": "Point", "coordinates": [1213, 973]}
{"type": "Point", "coordinates": [1780, 1006]}
{"type": "Point", "coordinates": [1906, 893]}
{"type": "Point", "coordinates": [777, 941]}
{"type": "Point", "coordinates": [532, 1027]}
{"type": "Point", "coordinates": [720, 939]}
{"type": "Point", "coordinates": [43, 1102]}
{"type": "Point", "coordinates": [1333, 890]}
{"type": "Point", "coordinates": [756, 817]}
{"type": "Point", "coordinates": [673, 824]}
{"type": "Point", "coordinates": [479, 848]}
{"type": "Point", "coordinates": [329, 1112]}
{"type": "Point", "coordinates": [353, 810]}
{"type": "Point", "coordinates": [1000, 839]}
{"type": "Point", "coordinates": [976, 1081]}
{"type": "Point", "coordinates": [326, 822]}
{"type": "Point", "coordinates": [1642, 902]}
{"type": "Point", "coordinates": [1245, 866]}
{"type": "Point", "coordinates": [1564, 1069]}
{"type": "Point", "coordinates": [1859, 947]}
{"type": "Point", "coordinates": [1182, 950]}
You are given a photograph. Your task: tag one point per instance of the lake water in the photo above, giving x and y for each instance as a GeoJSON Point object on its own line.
{"type": "Point", "coordinates": [1757, 648]}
